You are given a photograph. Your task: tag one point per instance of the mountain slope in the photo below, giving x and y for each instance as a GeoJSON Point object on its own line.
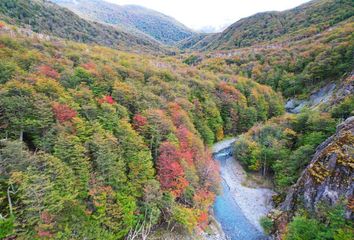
{"type": "Point", "coordinates": [197, 42]}
{"type": "Point", "coordinates": [48, 18]}
{"type": "Point", "coordinates": [297, 67]}
{"type": "Point", "coordinates": [92, 140]}
{"type": "Point", "coordinates": [303, 21]}
{"type": "Point", "coordinates": [327, 181]}
{"type": "Point", "coordinates": [157, 25]}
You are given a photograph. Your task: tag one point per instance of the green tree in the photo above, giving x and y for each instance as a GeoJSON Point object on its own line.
{"type": "Point", "coordinates": [302, 228]}
{"type": "Point", "coordinates": [108, 161]}
{"type": "Point", "coordinates": [185, 217]}
{"type": "Point", "coordinates": [7, 71]}
{"type": "Point", "coordinates": [345, 109]}
{"type": "Point", "coordinates": [69, 149]}
{"type": "Point", "coordinates": [247, 152]}
{"type": "Point", "coordinates": [267, 224]}
{"type": "Point", "coordinates": [23, 111]}
{"type": "Point", "coordinates": [41, 192]}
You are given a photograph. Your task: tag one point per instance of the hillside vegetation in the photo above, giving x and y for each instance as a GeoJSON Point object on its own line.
{"type": "Point", "coordinates": [99, 143]}
{"type": "Point", "coordinates": [303, 155]}
{"type": "Point", "coordinates": [48, 18]}
{"type": "Point", "coordinates": [132, 18]}
{"type": "Point", "coordinates": [300, 22]}
{"type": "Point", "coordinates": [96, 140]}
{"type": "Point", "coordinates": [295, 68]}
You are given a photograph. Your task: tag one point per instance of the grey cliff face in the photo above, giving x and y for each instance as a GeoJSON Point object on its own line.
{"type": "Point", "coordinates": [328, 178]}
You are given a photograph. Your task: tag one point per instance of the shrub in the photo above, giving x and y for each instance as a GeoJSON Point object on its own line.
{"type": "Point", "coordinates": [185, 217]}
{"type": "Point", "coordinates": [302, 228]}
{"type": "Point", "coordinates": [344, 109]}
{"type": "Point", "coordinates": [267, 224]}
{"type": "Point", "coordinates": [7, 71]}
{"type": "Point", "coordinates": [6, 227]}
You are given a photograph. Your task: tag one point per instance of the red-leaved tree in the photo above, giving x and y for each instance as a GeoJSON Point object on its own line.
{"type": "Point", "coordinates": [63, 112]}
{"type": "Point", "coordinates": [139, 122]}
{"type": "Point", "coordinates": [170, 172]}
{"type": "Point", "coordinates": [107, 99]}
{"type": "Point", "coordinates": [90, 67]}
{"type": "Point", "coordinates": [48, 71]}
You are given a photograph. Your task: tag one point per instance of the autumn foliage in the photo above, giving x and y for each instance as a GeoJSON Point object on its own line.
{"type": "Point", "coordinates": [124, 140]}
{"type": "Point", "coordinates": [63, 112]}
{"type": "Point", "coordinates": [171, 173]}
{"type": "Point", "coordinates": [139, 121]}
{"type": "Point", "coordinates": [107, 99]}
{"type": "Point", "coordinates": [185, 163]}
{"type": "Point", "coordinates": [47, 223]}
{"type": "Point", "coordinates": [48, 71]}
{"type": "Point", "coordinates": [91, 67]}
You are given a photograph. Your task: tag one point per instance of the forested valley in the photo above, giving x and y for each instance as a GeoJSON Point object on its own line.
{"type": "Point", "coordinates": [101, 142]}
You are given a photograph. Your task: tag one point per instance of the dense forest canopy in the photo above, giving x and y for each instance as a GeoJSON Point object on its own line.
{"type": "Point", "coordinates": [295, 67]}
{"type": "Point", "coordinates": [103, 139]}
{"type": "Point", "coordinates": [98, 143]}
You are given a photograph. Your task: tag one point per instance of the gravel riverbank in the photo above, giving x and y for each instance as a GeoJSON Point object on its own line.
{"type": "Point", "coordinates": [253, 202]}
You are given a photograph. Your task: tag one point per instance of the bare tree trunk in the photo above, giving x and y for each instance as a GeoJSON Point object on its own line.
{"type": "Point", "coordinates": [265, 165]}
{"type": "Point", "coordinates": [21, 135]}
{"type": "Point", "coordinates": [264, 169]}
{"type": "Point", "coordinates": [151, 142]}
{"type": "Point", "coordinates": [9, 200]}
{"type": "Point", "coordinates": [141, 231]}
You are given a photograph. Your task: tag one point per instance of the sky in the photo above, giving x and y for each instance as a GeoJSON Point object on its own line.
{"type": "Point", "coordinates": [212, 14]}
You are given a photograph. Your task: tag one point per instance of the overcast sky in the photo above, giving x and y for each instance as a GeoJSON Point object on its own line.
{"type": "Point", "coordinates": [197, 14]}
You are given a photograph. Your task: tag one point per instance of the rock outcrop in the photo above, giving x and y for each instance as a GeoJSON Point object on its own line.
{"type": "Point", "coordinates": [345, 89]}
{"type": "Point", "coordinates": [317, 98]}
{"type": "Point", "coordinates": [327, 179]}
{"type": "Point", "coordinates": [325, 97]}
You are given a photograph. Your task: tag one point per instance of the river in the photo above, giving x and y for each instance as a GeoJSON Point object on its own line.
{"type": "Point", "coordinates": [238, 208]}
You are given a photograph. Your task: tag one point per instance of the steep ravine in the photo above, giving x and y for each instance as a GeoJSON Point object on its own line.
{"type": "Point", "coordinates": [238, 208]}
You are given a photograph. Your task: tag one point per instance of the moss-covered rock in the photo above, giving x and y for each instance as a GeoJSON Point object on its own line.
{"type": "Point", "coordinates": [327, 180]}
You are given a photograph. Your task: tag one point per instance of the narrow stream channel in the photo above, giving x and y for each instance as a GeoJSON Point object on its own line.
{"type": "Point", "coordinates": [234, 223]}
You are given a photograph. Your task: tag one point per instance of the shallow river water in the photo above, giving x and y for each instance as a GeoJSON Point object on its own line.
{"type": "Point", "coordinates": [234, 223]}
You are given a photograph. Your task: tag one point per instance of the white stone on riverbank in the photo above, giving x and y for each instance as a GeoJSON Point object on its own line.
{"type": "Point", "coordinates": [254, 202]}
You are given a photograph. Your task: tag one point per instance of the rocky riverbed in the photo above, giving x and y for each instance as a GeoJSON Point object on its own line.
{"type": "Point", "coordinates": [239, 208]}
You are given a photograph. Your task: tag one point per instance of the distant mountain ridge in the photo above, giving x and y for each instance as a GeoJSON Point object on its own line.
{"type": "Point", "coordinates": [132, 17]}
{"type": "Point", "coordinates": [309, 18]}
{"type": "Point", "coordinates": [43, 16]}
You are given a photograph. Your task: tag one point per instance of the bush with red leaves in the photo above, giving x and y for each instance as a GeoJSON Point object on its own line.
{"type": "Point", "coordinates": [63, 112]}
{"type": "Point", "coordinates": [107, 99]}
{"type": "Point", "coordinates": [139, 122]}
{"type": "Point", "coordinates": [48, 71]}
